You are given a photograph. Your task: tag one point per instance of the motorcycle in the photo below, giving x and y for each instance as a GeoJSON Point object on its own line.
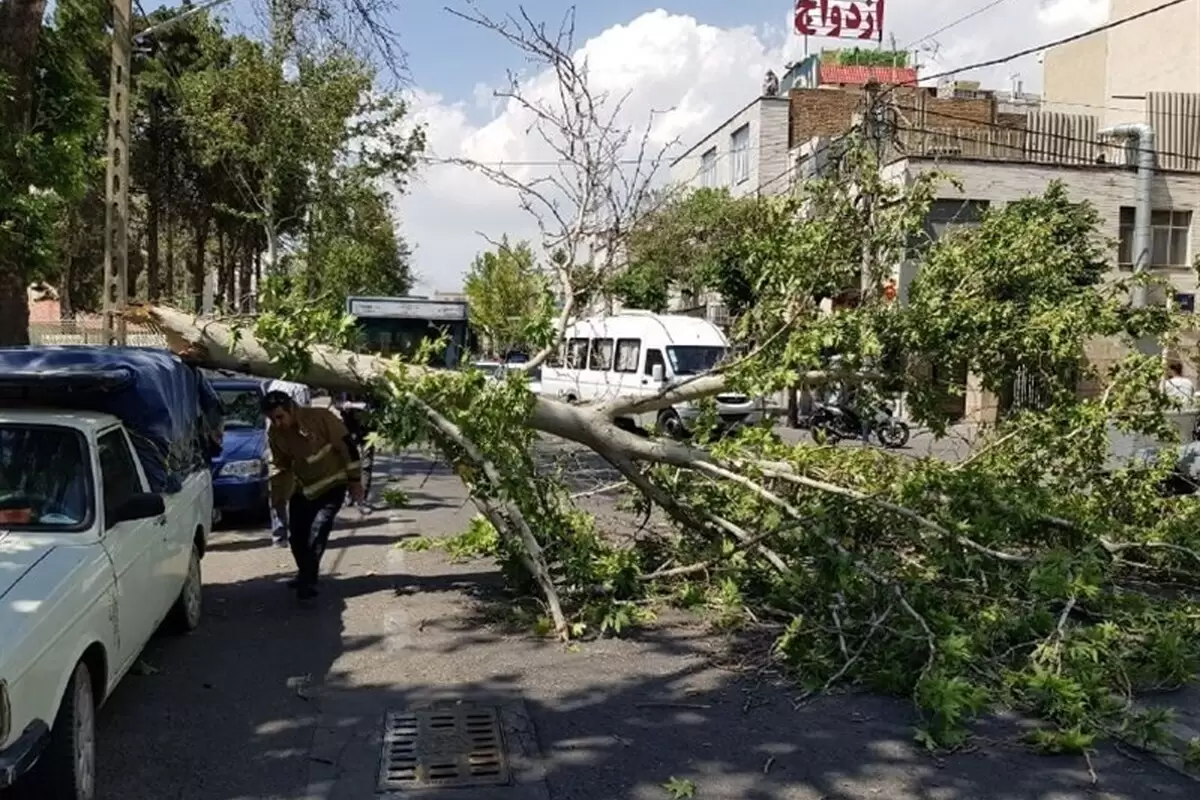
{"type": "Point", "coordinates": [830, 424]}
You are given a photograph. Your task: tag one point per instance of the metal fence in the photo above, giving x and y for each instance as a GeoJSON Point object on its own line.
{"type": "Point", "coordinates": [69, 331]}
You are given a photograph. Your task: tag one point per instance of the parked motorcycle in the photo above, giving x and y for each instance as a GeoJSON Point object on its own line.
{"type": "Point", "coordinates": [830, 424]}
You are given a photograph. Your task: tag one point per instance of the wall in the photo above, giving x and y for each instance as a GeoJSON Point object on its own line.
{"type": "Point", "coordinates": [1096, 75]}
{"type": "Point", "coordinates": [1073, 79]}
{"type": "Point", "coordinates": [767, 117]}
{"type": "Point", "coordinates": [1158, 53]}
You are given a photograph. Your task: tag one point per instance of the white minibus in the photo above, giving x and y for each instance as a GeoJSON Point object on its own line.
{"type": "Point", "coordinates": [637, 353]}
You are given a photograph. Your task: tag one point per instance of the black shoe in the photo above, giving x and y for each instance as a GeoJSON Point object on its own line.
{"type": "Point", "coordinates": [292, 583]}
{"type": "Point", "coordinates": [306, 592]}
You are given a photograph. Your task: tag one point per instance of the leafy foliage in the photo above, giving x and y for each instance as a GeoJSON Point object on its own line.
{"type": "Point", "coordinates": [510, 304]}
{"type": "Point", "coordinates": [1034, 574]}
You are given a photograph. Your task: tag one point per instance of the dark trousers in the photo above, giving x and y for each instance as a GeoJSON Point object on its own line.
{"type": "Point", "coordinates": [309, 524]}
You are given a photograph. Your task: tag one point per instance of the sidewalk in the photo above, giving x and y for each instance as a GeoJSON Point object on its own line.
{"type": "Point", "coordinates": [273, 701]}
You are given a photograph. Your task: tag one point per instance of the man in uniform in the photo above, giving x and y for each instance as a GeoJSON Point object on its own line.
{"type": "Point", "coordinates": [314, 463]}
{"type": "Point", "coordinates": [302, 396]}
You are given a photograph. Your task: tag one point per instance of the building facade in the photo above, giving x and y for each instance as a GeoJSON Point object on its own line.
{"type": "Point", "coordinates": [747, 154]}
{"type": "Point", "coordinates": [1109, 74]}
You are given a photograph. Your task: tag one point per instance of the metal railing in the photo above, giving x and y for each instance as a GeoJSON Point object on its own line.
{"type": "Point", "coordinates": [90, 332]}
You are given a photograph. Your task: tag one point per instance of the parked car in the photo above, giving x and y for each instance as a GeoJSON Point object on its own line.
{"type": "Point", "coordinates": [104, 516]}
{"type": "Point", "coordinates": [499, 371]}
{"type": "Point", "coordinates": [240, 469]}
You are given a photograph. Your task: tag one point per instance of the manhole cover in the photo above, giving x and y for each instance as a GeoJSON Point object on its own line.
{"type": "Point", "coordinates": [443, 747]}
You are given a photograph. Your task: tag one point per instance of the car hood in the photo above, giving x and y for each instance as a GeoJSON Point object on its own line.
{"type": "Point", "coordinates": [241, 444]}
{"type": "Point", "coordinates": [19, 554]}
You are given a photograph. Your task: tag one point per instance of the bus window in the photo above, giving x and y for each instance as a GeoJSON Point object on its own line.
{"type": "Point", "coordinates": [629, 352]}
{"type": "Point", "coordinates": [577, 353]}
{"type": "Point", "coordinates": [602, 355]}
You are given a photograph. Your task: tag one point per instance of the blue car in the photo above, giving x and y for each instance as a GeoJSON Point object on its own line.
{"type": "Point", "coordinates": [240, 471]}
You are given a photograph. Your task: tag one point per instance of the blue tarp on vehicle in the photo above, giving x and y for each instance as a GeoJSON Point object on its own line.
{"type": "Point", "coordinates": [168, 407]}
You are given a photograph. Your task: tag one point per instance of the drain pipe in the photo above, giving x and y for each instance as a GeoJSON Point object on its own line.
{"type": "Point", "coordinates": [1139, 137]}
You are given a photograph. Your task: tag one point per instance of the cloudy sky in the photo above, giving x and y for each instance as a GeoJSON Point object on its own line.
{"type": "Point", "coordinates": [704, 59]}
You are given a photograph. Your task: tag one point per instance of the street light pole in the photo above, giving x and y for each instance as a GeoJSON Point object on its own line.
{"type": "Point", "coordinates": [116, 192]}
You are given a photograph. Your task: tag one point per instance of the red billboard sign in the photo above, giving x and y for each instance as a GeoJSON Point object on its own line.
{"type": "Point", "coordinates": [840, 19]}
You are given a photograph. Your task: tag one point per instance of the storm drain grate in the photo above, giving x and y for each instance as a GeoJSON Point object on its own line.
{"type": "Point", "coordinates": [443, 747]}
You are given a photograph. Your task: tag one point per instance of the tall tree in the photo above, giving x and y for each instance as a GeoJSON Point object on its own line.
{"type": "Point", "coordinates": [508, 297]}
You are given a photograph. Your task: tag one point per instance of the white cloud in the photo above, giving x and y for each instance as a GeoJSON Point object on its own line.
{"type": "Point", "coordinates": [703, 74]}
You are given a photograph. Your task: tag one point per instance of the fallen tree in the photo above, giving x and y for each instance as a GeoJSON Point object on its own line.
{"type": "Point", "coordinates": [1024, 575]}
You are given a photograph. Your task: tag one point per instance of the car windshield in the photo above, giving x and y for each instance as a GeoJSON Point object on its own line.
{"type": "Point", "coordinates": [241, 408]}
{"type": "Point", "coordinates": [693, 359]}
{"type": "Point", "coordinates": [44, 483]}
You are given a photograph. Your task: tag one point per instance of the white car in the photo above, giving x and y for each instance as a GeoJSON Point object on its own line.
{"type": "Point", "coordinates": [91, 563]}
{"type": "Point", "coordinates": [498, 372]}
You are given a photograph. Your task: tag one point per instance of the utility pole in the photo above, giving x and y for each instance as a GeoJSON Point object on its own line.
{"type": "Point", "coordinates": [116, 192]}
{"type": "Point", "coordinates": [874, 123]}
{"type": "Point", "coordinates": [116, 189]}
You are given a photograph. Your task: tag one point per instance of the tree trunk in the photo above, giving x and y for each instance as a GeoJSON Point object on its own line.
{"type": "Point", "coordinates": [152, 287]}
{"type": "Point", "coordinates": [170, 275]}
{"type": "Point", "coordinates": [245, 275]}
{"type": "Point", "coordinates": [257, 280]}
{"type": "Point", "coordinates": [222, 286]}
{"type": "Point", "coordinates": [20, 30]}
{"type": "Point", "coordinates": [197, 266]}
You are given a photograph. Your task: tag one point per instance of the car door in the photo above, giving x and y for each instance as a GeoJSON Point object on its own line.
{"type": "Point", "coordinates": [135, 547]}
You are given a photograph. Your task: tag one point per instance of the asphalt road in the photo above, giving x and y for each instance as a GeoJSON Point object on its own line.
{"type": "Point", "coordinates": [270, 700]}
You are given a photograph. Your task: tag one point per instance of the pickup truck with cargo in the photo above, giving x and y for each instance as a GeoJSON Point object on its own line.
{"type": "Point", "coordinates": [105, 507]}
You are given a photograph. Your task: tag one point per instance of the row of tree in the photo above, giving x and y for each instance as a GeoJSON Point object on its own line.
{"type": "Point", "coordinates": [250, 161]}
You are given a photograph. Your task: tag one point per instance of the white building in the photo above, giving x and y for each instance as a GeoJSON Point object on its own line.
{"type": "Point", "coordinates": [747, 154]}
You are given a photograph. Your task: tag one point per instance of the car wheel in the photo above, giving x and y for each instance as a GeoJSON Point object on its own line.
{"type": "Point", "coordinates": [670, 424]}
{"type": "Point", "coordinates": [189, 606]}
{"type": "Point", "coordinates": [66, 769]}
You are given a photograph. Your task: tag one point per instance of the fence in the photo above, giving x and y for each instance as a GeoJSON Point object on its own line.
{"type": "Point", "coordinates": [69, 331]}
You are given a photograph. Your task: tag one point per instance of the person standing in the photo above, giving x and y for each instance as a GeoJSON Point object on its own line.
{"type": "Point", "coordinates": [314, 464]}
{"type": "Point", "coordinates": [302, 396]}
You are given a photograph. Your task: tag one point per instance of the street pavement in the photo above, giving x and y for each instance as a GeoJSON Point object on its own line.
{"type": "Point", "coordinates": [273, 701]}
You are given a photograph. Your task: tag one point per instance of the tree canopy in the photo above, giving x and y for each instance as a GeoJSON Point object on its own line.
{"type": "Point", "coordinates": [510, 304]}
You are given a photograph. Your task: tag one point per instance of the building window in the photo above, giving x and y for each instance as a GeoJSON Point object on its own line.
{"type": "Point", "coordinates": [739, 149]}
{"type": "Point", "coordinates": [708, 168]}
{"type": "Point", "coordinates": [1169, 233]}
{"type": "Point", "coordinates": [946, 215]}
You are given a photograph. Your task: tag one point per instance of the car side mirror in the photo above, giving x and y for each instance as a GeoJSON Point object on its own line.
{"type": "Point", "coordinates": [656, 373]}
{"type": "Point", "coordinates": [141, 506]}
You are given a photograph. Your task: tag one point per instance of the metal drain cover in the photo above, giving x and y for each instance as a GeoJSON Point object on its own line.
{"type": "Point", "coordinates": [448, 747]}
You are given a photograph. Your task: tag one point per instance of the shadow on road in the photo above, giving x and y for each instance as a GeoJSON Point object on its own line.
{"type": "Point", "coordinates": [232, 711]}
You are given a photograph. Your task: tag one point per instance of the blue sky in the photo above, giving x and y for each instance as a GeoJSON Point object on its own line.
{"type": "Point", "coordinates": [481, 56]}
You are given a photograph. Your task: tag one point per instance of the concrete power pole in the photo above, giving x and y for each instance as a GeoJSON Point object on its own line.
{"type": "Point", "coordinates": [116, 208]}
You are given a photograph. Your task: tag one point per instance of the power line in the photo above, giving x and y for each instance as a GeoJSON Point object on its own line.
{"type": "Point", "coordinates": [992, 62]}
{"type": "Point", "coordinates": [956, 22]}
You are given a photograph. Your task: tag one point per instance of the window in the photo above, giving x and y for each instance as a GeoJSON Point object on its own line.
{"type": "Point", "coordinates": [947, 215]}
{"type": "Point", "coordinates": [692, 359]}
{"type": "Point", "coordinates": [629, 352]}
{"type": "Point", "coordinates": [601, 359]}
{"type": "Point", "coordinates": [1186, 303]}
{"type": "Point", "coordinates": [1169, 233]}
{"type": "Point", "coordinates": [240, 408]}
{"type": "Point", "coordinates": [739, 148]}
{"type": "Point", "coordinates": [118, 472]}
{"type": "Point", "coordinates": [654, 358]}
{"type": "Point", "coordinates": [577, 353]}
{"type": "Point", "coordinates": [44, 479]}
{"type": "Point", "coordinates": [708, 168]}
